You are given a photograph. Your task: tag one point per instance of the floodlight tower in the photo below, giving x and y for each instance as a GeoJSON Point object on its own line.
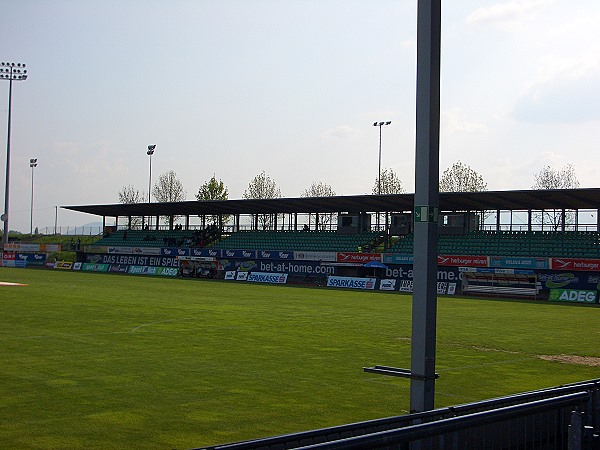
{"type": "Point", "coordinates": [380, 125]}
{"type": "Point", "coordinates": [33, 165]}
{"type": "Point", "coordinates": [150, 152]}
{"type": "Point", "coordinates": [11, 72]}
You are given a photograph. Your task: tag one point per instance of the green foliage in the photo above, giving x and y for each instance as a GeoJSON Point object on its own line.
{"type": "Point", "coordinates": [214, 190]}
{"type": "Point", "coordinates": [262, 186]}
{"type": "Point", "coordinates": [100, 361]}
{"type": "Point", "coordinates": [390, 183]}
{"type": "Point", "coordinates": [461, 178]}
{"type": "Point", "coordinates": [62, 256]}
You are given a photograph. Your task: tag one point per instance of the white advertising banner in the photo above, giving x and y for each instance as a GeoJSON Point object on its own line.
{"type": "Point", "coordinates": [351, 282]}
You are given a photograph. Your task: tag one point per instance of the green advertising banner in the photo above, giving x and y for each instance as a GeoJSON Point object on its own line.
{"type": "Point", "coordinates": [95, 267]}
{"type": "Point", "coordinates": [573, 296]}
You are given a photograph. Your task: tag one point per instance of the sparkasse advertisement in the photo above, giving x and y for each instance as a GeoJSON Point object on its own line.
{"type": "Point", "coordinates": [351, 282]}
{"type": "Point", "coordinates": [263, 277]}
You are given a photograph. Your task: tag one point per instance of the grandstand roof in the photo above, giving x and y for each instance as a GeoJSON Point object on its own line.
{"type": "Point", "coordinates": [448, 201]}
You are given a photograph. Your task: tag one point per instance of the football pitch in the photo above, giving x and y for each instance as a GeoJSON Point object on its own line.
{"type": "Point", "coordinates": [98, 361]}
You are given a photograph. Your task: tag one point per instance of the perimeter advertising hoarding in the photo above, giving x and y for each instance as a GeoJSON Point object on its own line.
{"type": "Point", "coordinates": [405, 272]}
{"type": "Point", "coordinates": [352, 257]}
{"type": "Point", "coordinates": [351, 282]}
{"type": "Point", "coordinates": [210, 252]}
{"type": "Point", "coordinates": [10, 259]}
{"type": "Point", "coordinates": [147, 270]}
{"type": "Point", "coordinates": [396, 258]}
{"type": "Point", "coordinates": [588, 265]}
{"type": "Point", "coordinates": [289, 267]}
{"type": "Point", "coordinates": [262, 277]}
{"type": "Point", "coordinates": [133, 260]}
{"type": "Point", "coordinates": [89, 267]}
{"type": "Point", "coordinates": [519, 263]}
{"type": "Point", "coordinates": [573, 296]}
{"type": "Point", "coordinates": [263, 254]}
{"type": "Point", "coordinates": [443, 287]}
{"type": "Point", "coordinates": [315, 256]}
{"type": "Point", "coordinates": [460, 260]}
{"type": "Point", "coordinates": [569, 280]}
{"type": "Point", "coordinates": [175, 251]}
{"type": "Point", "coordinates": [239, 254]}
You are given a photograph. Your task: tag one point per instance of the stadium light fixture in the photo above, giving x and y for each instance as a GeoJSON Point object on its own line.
{"type": "Point", "coordinates": [150, 152]}
{"type": "Point", "coordinates": [33, 165]}
{"type": "Point", "coordinates": [11, 72]}
{"type": "Point", "coordinates": [380, 125]}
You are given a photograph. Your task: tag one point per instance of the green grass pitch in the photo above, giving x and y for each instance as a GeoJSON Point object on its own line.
{"type": "Point", "coordinates": [107, 361]}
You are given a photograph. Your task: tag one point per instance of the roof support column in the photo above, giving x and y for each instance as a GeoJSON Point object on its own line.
{"type": "Point", "coordinates": [426, 207]}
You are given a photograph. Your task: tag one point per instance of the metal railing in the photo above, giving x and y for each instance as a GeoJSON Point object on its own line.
{"type": "Point", "coordinates": [564, 417]}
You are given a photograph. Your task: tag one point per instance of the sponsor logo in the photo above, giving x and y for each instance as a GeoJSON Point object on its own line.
{"type": "Point", "coordinates": [230, 275]}
{"type": "Point", "coordinates": [573, 296]}
{"type": "Point", "coordinates": [387, 285]}
{"type": "Point", "coordinates": [473, 261]}
{"type": "Point", "coordinates": [242, 276]}
{"type": "Point", "coordinates": [229, 253]}
{"type": "Point", "coordinates": [575, 264]}
{"type": "Point", "coordinates": [64, 265]}
{"type": "Point", "coordinates": [358, 257]}
{"type": "Point", "coordinates": [351, 282]}
{"type": "Point", "coordinates": [246, 254]}
{"type": "Point", "coordinates": [263, 277]}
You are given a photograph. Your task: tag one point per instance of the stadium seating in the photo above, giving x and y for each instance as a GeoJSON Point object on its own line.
{"type": "Point", "coordinates": [298, 241]}
{"type": "Point", "coordinates": [568, 244]}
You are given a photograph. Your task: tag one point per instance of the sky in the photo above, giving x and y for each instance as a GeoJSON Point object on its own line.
{"type": "Point", "coordinates": [232, 88]}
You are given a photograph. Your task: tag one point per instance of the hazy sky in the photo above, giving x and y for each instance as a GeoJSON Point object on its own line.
{"type": "Point", "coordinates": [235, 87]}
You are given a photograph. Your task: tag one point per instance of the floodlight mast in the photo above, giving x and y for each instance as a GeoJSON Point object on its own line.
{"type": "Point", "coordinates": [11, 72]}
{"type": "Point", "coordinates": [33, 165]}
{"type": "Point", "coordinates": [380, 124]}
{"type": "Point", "coordinates": [150, 152]}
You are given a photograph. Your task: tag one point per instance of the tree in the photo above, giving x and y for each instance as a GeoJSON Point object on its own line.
{"type": "Point", "coordinates": [549, 178]}
{"type": "Point", "coordinates": [168, 188]}
{"type": "Point", "coordinates": [319, 189]}
{"type": "Point", "coordinates": [461, 178]}
{"type": "Point", "coordinates": [262, 187]}
{"type": "Point", "coordinates": [390, 183]}
{"type": "Point", "coordinates": [213, 190]}
{"type": "Point", "coordinates": [127, 195]}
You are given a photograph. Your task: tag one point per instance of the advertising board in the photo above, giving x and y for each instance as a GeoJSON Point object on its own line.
{"type": "Point", "coordinates": [351, 282]}
{"type": "Point", "coordinates": [153, 270]}
{"type": "Point", "coordinates": [575, 264]}
{"type": "Point", "coordinates": [469, 261]}
{"type": "Point", "coordinates": [396, 258]}
{"type": "Point", "coordinates": [239, 254]}
{"type": "Point", "coordinates": [132, 260]}
{"type": "Point", "coordinates": [230, 275]}
{"type": "Point", "coordinates": [213, 253]}
{"type": "Point", "coordinates": [263, 277]}
{"type": "Point", "coordinates": [519, 263]}
{"type": "Point", "coordinates": [262, 254]}
{"type": "Point", "coordinates": [89, 267]}
{"type": "Point", "coordinates": [352, 257]}
{"type": "Point", "coordinates": [315, 256]}
{"type": "Point", "coordinates": [573, 296]}
{"type": "Point", "coordinates": [387, 285]}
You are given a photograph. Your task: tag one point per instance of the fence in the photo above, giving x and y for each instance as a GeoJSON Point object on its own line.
{"type": "Point", "coordinates": [564, 417]}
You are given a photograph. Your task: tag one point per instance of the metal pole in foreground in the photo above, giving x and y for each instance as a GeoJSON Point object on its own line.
{"type": "Point", "coordinates": [10, 72]}
{"type": "Point", "coordinates": [426, 208]}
